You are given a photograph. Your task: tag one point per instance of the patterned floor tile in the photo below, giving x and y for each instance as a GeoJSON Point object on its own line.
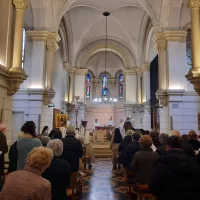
{"type": "Point", "coordinates": [101, 183]}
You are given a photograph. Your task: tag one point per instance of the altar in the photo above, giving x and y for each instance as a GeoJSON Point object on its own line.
{"type": "Point", "coordinates": [103, 134]}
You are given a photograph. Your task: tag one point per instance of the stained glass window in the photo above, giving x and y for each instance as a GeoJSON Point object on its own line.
{"type": "Point", "coordinates": [23, 46]}
{"type": "Point", "coordinates": [104, 85]}
{"type": "Point", "coordinates": [88, 86]}
{"type": "Point", "coordinates": [189, 49]}
{"type": "Point", "coordinates": [121, 86]}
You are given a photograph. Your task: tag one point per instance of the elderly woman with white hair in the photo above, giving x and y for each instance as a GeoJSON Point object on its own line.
{"type": "Point", "coordinates": [28, 184]}
{"type": "Point", "coordinates": [58, 173]}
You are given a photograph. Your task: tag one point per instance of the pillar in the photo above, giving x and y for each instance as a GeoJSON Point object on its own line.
{"type": "Point", "coordinates": [160, 45]}
{"type": "Point", "coordinates": [71, 87]}
{"type": "Point", "coordinates": [146, 121]}
{"type": "Point", "coordinates": [79, 84]}
{"type": "Point", "coordinates": [131, 86]}
{"type": "Point", "coordinates": [139, 85]}
{"type": "Point", "coordinates": [194, 74]}
{"type": "Point", "coordinates": [21, 6]}
{"type": "Point", "coordinates": [52, 46]}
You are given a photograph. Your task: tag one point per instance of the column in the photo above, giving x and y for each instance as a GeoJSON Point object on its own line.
{"type": "Point", "coordinates": [21, 6]}
{"type": "Point", "coordinates": [139, 84]}
{"type": "Point", "coordinates": [52, 46]}
{"type": "Point", "coordinates": [194, 7]}
{"type": "Point", "coordinates": [38, 68]}
{"type": "Point", "coordinates": [194, 74]}
{"type": "Point", "coordinates": [71, 87]}
{"type": "Point", "coordinates": [146, 83]}
{"type": "Point", "coordinates": [146, 121]}
{"type": "Point", "coordinates": [161, 45]}
{"type": "Point", "coordinates": [79, 84]}
{"type": "Point", "coordinates": [131, 86]}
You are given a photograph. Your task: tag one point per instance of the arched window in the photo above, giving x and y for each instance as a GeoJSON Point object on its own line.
{"type": "Point", "coordinates": [23, 47]}
{"type": "Point", "coordinates": [104, 85]}
{"type": "Point", "coordinates": [121, 86]}
{"type": "Point", "coordinates": [189, 49]}
{"type": "Point", "coordinates": [88, 86]}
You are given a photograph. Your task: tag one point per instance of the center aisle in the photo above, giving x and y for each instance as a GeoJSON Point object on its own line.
{"type": "Point", "coordinates": [101, 183]}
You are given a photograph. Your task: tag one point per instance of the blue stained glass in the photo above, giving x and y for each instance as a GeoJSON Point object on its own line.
{"type": "Point", "coordinates": [88, 86]}
{"type": "Point", "coordinates": [104, 85]}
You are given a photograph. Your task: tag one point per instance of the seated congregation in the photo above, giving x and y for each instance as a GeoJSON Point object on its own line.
{"type": "Point", "coordinates": [49, 166]}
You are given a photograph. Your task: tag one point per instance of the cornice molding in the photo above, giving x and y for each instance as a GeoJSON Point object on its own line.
{"type": "Point", "coordinates": [175, 36]}
{"type": "Point", "coordinates": [81, 71]}
{"type": "Point", "coordinates": [160, 41]}
{"type": "Point", "coordinates": [53, 39]}
{"type": "Point", "coordinates": [132, 71]}
{"type": "Point", "coordinates": [38, 35]}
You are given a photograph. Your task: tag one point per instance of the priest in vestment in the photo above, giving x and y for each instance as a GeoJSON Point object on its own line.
{"type": "Point", "coordinates": [96, 123]}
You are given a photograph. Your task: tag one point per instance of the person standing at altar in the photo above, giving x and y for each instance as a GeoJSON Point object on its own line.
{"type": "Point", "coordinates": [96, 123]}
{"type": "Point", "coordinates": [110, 122]}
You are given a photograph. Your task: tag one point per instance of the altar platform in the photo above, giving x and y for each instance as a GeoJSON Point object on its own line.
{"type": "Point", "coordinates": [102, 149]}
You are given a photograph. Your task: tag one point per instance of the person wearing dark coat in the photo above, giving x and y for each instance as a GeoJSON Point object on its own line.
{"type": "Point", "coordinates": [72, 149]}
{"type": "Point", "coordinates": [163, 137]}
{"type": "Point", "coordinates": [3, 148]}
{"type": "Point", "coordinates": [58, 173]}
{"type": "Point", "coordinates": [130, 151]}
{"type": "Point", "coordinates": [144, 160]}
{"type": "Point", "coordinates": [193, 140]}
{"type": "Point", "coordinates": [13, 158]}
{"type": "Point", "coordinates": [185, 146]}
{"type": "Point", "coordinates": [55, 134]}
{"type": "Point", "coordinates": [175, 176]}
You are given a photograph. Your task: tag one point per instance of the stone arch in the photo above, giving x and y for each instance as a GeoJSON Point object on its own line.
{"type": "Point", "coordinates": [91, 73]}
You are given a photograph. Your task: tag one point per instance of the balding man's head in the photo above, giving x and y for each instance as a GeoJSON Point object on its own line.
{"type": "Point", "coordinates": [176, 133]}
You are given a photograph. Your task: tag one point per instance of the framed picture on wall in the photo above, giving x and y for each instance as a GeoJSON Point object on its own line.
{"type": "Point", "coordinates": [61, 120]}
{"type": "Point", "coordinates": [55, 112]}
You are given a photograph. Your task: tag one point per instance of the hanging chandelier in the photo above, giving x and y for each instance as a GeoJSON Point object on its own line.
{"type": "Point", "coordinates": [105, 97]}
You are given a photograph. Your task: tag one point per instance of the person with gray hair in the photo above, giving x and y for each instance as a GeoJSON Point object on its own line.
{"type": "Point", "coordinates": [45, 140]}
{"type": "Point", "coordinates": [58, 173]}
{"type": "Point", "coordinates": [163, 138]}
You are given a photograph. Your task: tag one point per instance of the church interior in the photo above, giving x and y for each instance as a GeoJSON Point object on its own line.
{"type": "Point", "coordinates": [94, 65]}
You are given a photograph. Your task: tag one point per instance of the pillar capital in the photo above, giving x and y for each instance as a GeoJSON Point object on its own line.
{"type": "Point", "coordinates": [160, 41]}
{"type": "Point", "coordinates": [20, 4]}
{"type": "Point", "coordinates": [130, 71]}
{"type": "Point", "coordinates": [81, 71]}
{"type": "Point", "coordinates": [52, 40]}
{"type": "Point", "coordinates": [38, 35]}
{"type": "Point", "coordinates": [175, 36]}
{"type": "Point", "coordinates": [194, 4]}
{"type": "Point", "coordinates": [69, 68]}
{"type": "Point", "coordinates": [147, 67]}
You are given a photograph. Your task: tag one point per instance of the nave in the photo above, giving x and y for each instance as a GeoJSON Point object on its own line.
{"type": "Point", "coordinates": [101, 182]}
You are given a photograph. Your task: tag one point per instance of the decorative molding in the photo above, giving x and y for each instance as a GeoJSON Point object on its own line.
{"type": "Point", "coordinates": [192, 4]}
{"type": "Point", "coordinates": [47, 94]}
{"type": "Point", "coordinates": [81, 71]}
{"type": "Point", "coordinates": [194, 78]}
{"type": "Point", "coordinates": [130, 71]}
{"type": "Point", "coordinates": [160, 41]}
{"type": "Point", "coordinates": [162, 96]}
{"type": "Point", "coordinates": [16, 77]}
{"type": "Point", "coordinates": [21, 4]}
{"type": "Point", "coordinates": [38, 35]}
{"type": "Point", "coordinates": [52, 40]}
{"type": "Point", "coordinates": [69, 69]}
{"type": "Point", "coordinates": [175, 36]}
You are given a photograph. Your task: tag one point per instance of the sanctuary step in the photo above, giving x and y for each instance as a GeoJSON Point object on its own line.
{"type": "Point", "coordinates": [102, 150]}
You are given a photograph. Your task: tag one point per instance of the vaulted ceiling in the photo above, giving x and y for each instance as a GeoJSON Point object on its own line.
{"type": "Point", "coordinates": [127, 24]}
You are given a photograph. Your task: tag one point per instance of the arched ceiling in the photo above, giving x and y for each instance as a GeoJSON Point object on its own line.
{"type": "Point", "coordinates": [128, 22]}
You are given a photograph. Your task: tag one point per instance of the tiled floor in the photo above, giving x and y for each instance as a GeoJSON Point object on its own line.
{"type": "Point", "coordinates": [101, 183]}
